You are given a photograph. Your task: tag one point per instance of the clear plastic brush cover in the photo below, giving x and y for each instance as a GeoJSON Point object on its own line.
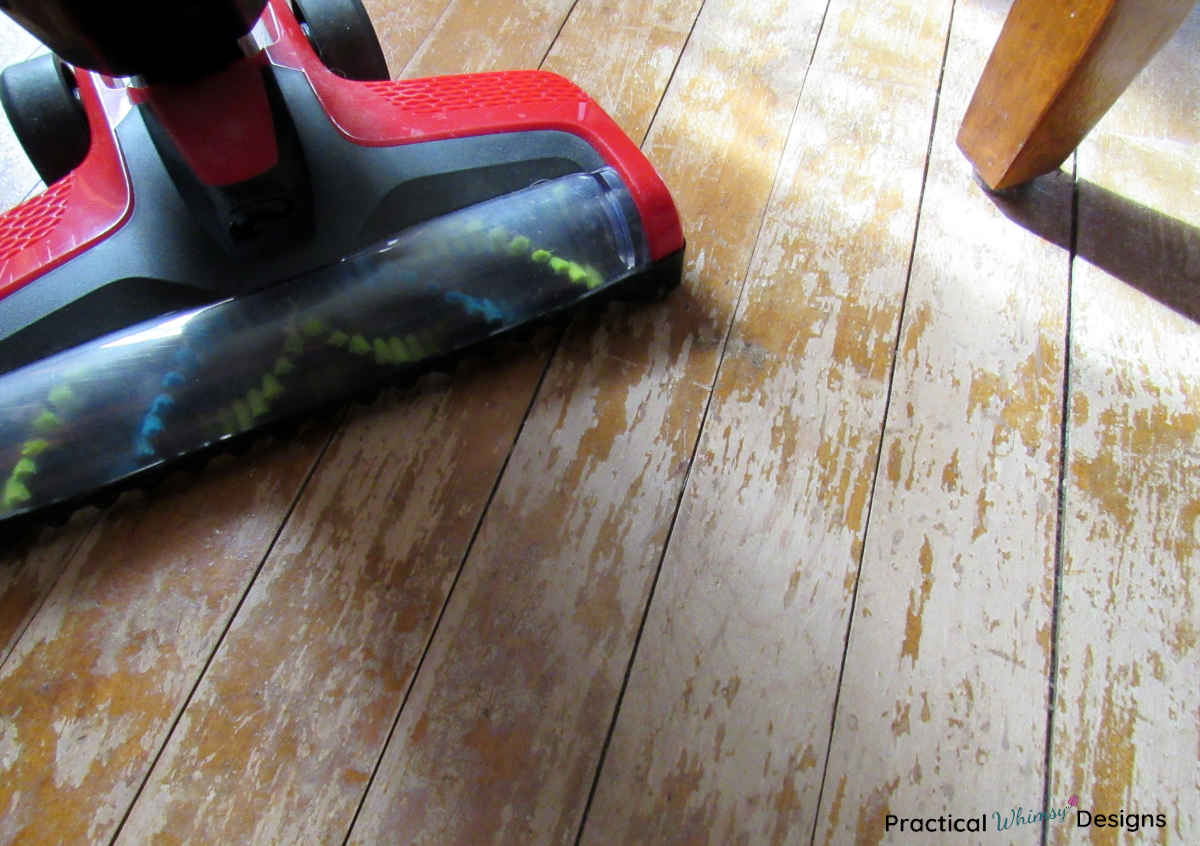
{"type": "Point", "coordinates": [93, 415]}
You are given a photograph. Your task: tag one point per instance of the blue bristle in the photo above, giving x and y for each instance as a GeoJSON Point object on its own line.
{"type": "Point", "coordinates": [161, 403]}
{"type": "Point", "coordinates": [486, 308]}
{"type": "Point", "coordinates": [152, 425]}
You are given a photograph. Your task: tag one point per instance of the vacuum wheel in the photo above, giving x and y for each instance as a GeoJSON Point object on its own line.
{"type": "Point", "coordinates": [41, 100]}
{"type": "Point", "coordinates": [341, 33]}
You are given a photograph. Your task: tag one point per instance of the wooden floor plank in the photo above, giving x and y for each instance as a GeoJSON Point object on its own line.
{"type": "Point", "coordinates": [403, 27]}
{"type": "Point", "coordinates": [941, 711]}
{"type": "Point", "coordinates": [279, 741]}
{"type": "Point", "coordinates": [487, 35]}
{"type": "Point", "coordinates": [16, 43]}
{"type": "Point", "coordinates": [1127, 716]}
{"type": "Point", "coordinates": [723, 730]}
{"type": "Point", "coordinates": [97, 679]}
{"type": "Point", "coordinates": [17, 175]}
{"type": "Point", "coordinates": [502, 734]}
{"type": "Point", "coordinates": [590, 50]}
{"type": "Point", "coordinates": [30, 564]}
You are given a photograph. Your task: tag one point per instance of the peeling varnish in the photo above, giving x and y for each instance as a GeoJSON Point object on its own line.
{"type": "Point", "coordinates": [916, 605]}
{"type": "Point", "coordinates": [92, 686]}
{"type": "Point", "coordinates": [479, 35]}
{"type": "Point", "coordinates": [951, 474]}
{"type": "Point", "coordinates": [1129, 647]}
{"type": "Point", "coordinates": [871, 816]}
{"type": "Point", "coordinates": [29, 570]}
{"type": "Point", "coordinates": [1024, 398]}
{"type": "Point", "coordinates": [764, 436]}
{"type": "Point", "coordinates": [965, 507]}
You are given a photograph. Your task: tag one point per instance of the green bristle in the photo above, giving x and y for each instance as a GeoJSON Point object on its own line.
{"type": "Point", "coordinates": [541, 256]}
{"type": "Point", "coordinates": [519, 245]}
{"type": "Point", "coordinates": [257, 402]}
{"type": "Point", "coordinates": [559, 265]}
{"type": "Point", "coordinates": [241, 412]}
{"type": "Point", "coordinates": [577, 274]}
{"type": "Point", "coordinates": [61, 397]}
{"type": "Point", "coordinates": [283, 366]}
{"type": "Point", "coordinates": [339, 338]}
{"type": "Point", "coordinates": [312, 328]}
{"type": "Point", "coordinates": [359, 345]}
{"type": "Point", "coordinates": [34, 447]}
{"type": "Point", "coordinates": [293, 345]}
{"type": "Point", "coordinates": [46, 422]}
{"type": "Point", "coordinates": [383, 353]}
{"type": "Point", "coordinates": [24, 468]}
{"type": "Point", "coordinates": [399, 350]}
{"type": "Point", "coordinates": [271, 387]}
{"type": "Point", "coordinates": [15, 494]}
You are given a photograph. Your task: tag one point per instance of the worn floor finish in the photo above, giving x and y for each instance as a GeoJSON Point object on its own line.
{"type": "Point", "coordinates": [892, 509]}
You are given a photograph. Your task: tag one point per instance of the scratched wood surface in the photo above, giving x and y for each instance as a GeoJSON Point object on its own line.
{"type": "Point", "coordinates": [17, 177]}
{"type": "Point", "coordinates": [1127, 714]}
{"type": "Point", "coordinates": [938, 708]}
{"type": "Point", "coordinates": [520, 689]}
{"type": "Point", "coordinates": [761, 563]}
{"type": "Point", "coordinates": [737, 672]}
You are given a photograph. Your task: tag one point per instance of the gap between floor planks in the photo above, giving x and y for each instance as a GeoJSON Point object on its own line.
{"type": "Point", "coordinates": [771, 357]}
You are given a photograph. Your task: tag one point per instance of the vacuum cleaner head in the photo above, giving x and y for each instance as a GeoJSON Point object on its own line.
{"type": "Point", "coordinates": [245, 237]}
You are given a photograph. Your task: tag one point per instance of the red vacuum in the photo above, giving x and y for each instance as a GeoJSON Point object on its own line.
{"type": "Point", "coordinates": [244, 219]}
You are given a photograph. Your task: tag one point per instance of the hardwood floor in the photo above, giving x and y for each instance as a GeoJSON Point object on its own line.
{"type": "Point", "coordinates": [892, 511]}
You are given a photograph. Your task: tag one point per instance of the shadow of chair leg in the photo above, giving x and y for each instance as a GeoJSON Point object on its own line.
{"type": "Point", "coordinates": [1154, 252]}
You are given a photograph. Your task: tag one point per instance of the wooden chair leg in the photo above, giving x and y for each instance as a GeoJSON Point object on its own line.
{"type": "Point", "coordinates": [1053, 73]}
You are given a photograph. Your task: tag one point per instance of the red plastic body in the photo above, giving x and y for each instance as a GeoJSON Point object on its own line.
{"type": "Point", "coordinates": [219, 125]}
{"type": "Point", "coordinates": [75, 212]}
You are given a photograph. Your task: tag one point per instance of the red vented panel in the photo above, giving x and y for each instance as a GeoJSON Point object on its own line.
{"type": "Point", "coordinates": [388, 113]}
{"type": "Point", "coordinates": [33, 220]}
{"type": "Point", "coordinates": [477, 91]}
{"type": "Point", "coordinates": [75, 212]}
